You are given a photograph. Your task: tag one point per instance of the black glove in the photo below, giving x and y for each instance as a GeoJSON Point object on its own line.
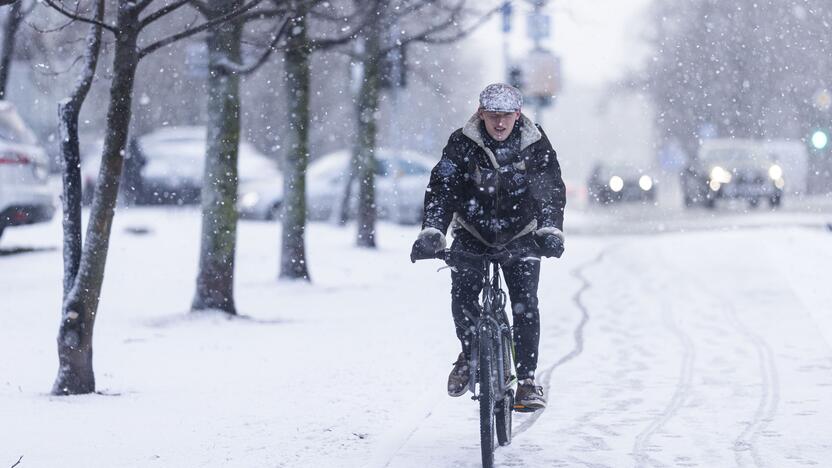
{"type": "Point", "coordinates": [549, 242]}
{"type": "Point", "coordinates": [429, 241]}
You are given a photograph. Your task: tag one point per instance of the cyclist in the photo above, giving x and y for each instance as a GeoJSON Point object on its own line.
{"type": "Point", "coordinates": [498, 185]}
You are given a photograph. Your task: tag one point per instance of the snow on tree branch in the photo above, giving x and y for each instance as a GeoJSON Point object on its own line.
{"type": "Point", "coordinates": [75, 16]}
{"type": "Point", "coordinates": [241, 69]}
{"type": "Point", "coordinates": [197, 29]}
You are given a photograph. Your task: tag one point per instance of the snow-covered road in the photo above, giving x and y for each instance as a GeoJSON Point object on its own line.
{"type": "Point", "coordinates": [708, 348]}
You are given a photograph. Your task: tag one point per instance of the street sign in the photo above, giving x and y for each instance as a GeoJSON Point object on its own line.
{"type": "Point", "coordinates": [538, 26]}
{"type": "Point", "coordinates": [542, 74]}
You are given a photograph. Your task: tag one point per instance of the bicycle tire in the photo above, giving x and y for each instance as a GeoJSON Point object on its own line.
{"type": "Point", "coordinates": [486, 399]}
{"type": "Point", "coordinates": [505, 407]}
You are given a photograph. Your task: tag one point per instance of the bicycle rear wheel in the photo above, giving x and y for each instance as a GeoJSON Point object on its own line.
{"type": "Point", "coordinates": [486, 399]}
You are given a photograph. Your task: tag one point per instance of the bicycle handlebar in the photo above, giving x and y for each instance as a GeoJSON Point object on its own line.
{"type": "Point", "coordinates": [458, 258]}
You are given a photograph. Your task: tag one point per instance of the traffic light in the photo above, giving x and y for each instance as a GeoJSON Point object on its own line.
{"type": "Point", "coordinates": [515, 77]}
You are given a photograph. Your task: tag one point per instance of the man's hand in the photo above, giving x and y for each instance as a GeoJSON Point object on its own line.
{"type": "Point", "coordinates": [429, 241]}
{"type": "Point", "coordinates": [550, 241]}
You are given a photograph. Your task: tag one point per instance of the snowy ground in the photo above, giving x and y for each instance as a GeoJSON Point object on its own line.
{"type": "Point", "coordinates": [708, 345]}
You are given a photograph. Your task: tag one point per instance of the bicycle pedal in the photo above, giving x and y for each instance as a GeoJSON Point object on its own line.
{"type": "Point", "coordinates": [524, 409]}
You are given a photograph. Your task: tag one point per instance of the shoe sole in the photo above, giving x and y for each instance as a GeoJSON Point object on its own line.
{"type": "Point", "coordinates": [459, 394]}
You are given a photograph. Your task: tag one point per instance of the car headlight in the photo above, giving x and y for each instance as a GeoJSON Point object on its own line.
{"type": "Point", "coordinates": [720, 175]}
{"type": "Point", "coordinates": [249, 200]}
{"type": "Point", "coordinates": [616, 183]}
{"type": "Point", "coordinates": [775, 172]}
{"type": "Point", "coordinates": [645, 182]}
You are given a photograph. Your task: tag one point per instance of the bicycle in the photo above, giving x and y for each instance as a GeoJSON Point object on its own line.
{"type": "Point", "coordinates": [492, 347]}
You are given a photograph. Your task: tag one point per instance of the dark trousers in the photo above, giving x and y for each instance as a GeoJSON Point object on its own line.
{"type": "Point", "coordinates": [521, 278]}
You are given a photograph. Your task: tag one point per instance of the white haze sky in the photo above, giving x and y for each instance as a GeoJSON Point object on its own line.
{"type": "Point", "coordinates": [598, 40]}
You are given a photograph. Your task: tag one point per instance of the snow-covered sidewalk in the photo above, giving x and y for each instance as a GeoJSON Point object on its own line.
{"type": "Point", "coordinates": [698, 349]}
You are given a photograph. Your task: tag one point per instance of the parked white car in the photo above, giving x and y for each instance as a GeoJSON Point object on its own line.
{"type": "Point", "coordinates": [25, 196]}
{"type": "Point", "coordinates": [170, 164]}
{"type": "Point", "coordinates": [401, 177]}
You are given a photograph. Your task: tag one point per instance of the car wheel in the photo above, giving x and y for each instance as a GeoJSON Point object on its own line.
{"type": "Point", "coordinates": [710, 203]}
{"type": "Point", "coordinates": [754, 202]}
{"type": "Point", "coordinates": [774, 201]}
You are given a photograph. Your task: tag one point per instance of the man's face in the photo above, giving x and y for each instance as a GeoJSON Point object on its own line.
{"type": "Point", "coordinates": [499, 124]}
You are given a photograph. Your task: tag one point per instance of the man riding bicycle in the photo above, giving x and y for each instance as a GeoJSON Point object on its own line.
{"type": "Point", "coordinates": [499, 182]}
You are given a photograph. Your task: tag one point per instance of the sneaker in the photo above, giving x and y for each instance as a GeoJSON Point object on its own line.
{"type": "Point", "coordinates": [529, 396]}
{"type": "Point", "coordinates": [458, 380]}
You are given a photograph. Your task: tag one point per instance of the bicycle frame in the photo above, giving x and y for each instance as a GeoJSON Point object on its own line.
{"type": "Point", "coordinates": [492, 324]}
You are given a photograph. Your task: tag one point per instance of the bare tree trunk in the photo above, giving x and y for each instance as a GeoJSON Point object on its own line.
{"type": "Point", "coordinates": [13, 21]}
{"type": "Point", "coordinates": [68, 111]}
{"type": "Point", "coordinates": [75, 372]}
{"type": "Point", "coordinates": [293, 251]}
{"type": "Point", "coordinates": [215, 279]}
{"type": "Point", "coordinates": [367, 105]}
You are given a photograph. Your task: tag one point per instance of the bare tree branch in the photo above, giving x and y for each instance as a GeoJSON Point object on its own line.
{"type": "Point", "coordinates": [248, 69]}
{"type": "Point", "coordinates": [202, 7]}
{"type": "Point", "coordinates": [143, 4]}
{"type": "Point", "coordinates": [37, 68]}
{"type": "Point", "coordinates": [18, 461]}
{"type": "Point", "coordinates": [197, 29]}
{"type": "Point", "coordinates": [91, 55]}
{"type": "Point", "coordinates": [60, 9]}
{"type": "Point", "coordinates": [165, 10]}
{"type": "Point", "coordinates": [328, 16]}
{"type": "Point", "coordinates": [319, 44]}
{"type": "Point", "coordinates": [426, 36]}
{"type": "Point", "coordinates": [263, 14]}
{"type": "Point", "coordinates": [52, 30]}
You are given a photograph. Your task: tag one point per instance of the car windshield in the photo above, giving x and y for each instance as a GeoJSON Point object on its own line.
{"type": "Point", "coordinates": [730, 155]}
{"type": "Point", "coordinates": [618, 169]}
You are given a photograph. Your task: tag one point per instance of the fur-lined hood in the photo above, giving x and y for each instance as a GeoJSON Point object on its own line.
{"type": "Point", "coordinates": [529, 134]}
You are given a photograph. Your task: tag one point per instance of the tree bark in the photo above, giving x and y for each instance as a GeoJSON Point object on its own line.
{"type": "Point", "coordinates": [367, 106]}
{"type": "Point", "coordinates": [13, 21]}
{"type": "Point", "coordinates": [68, 113]}
{"type": "Point", "coordinates": [75, 372]}
{"type": "Point", "coordinates": [293, 249]}
{"type": "Point", "coordinates": [215, 278]}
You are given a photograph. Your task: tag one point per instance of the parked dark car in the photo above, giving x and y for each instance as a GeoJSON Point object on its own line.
{"type": "Point", "coordinates": [733, 169]}
{"type": "Point", "coordinates": [620, 182]}
{"type": "Point", "coordinates": [166, 166]}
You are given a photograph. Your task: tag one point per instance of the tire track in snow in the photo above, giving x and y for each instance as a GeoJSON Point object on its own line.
{"type": "Point", "coordinates": [578, 334]}
{"type": "Point", "coordinates": [745, 444]}
{"type": "Point", "coordinates": [683, 387]}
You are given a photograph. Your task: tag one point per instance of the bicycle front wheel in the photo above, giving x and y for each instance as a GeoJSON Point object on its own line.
{"type": "Point", "coordinates": [505, 406]}
{"type": "Point", "coordinates": [486, 399]}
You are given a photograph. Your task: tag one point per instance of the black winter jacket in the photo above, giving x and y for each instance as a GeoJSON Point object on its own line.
{"type": "Point", "coordinates": [497, 204]}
